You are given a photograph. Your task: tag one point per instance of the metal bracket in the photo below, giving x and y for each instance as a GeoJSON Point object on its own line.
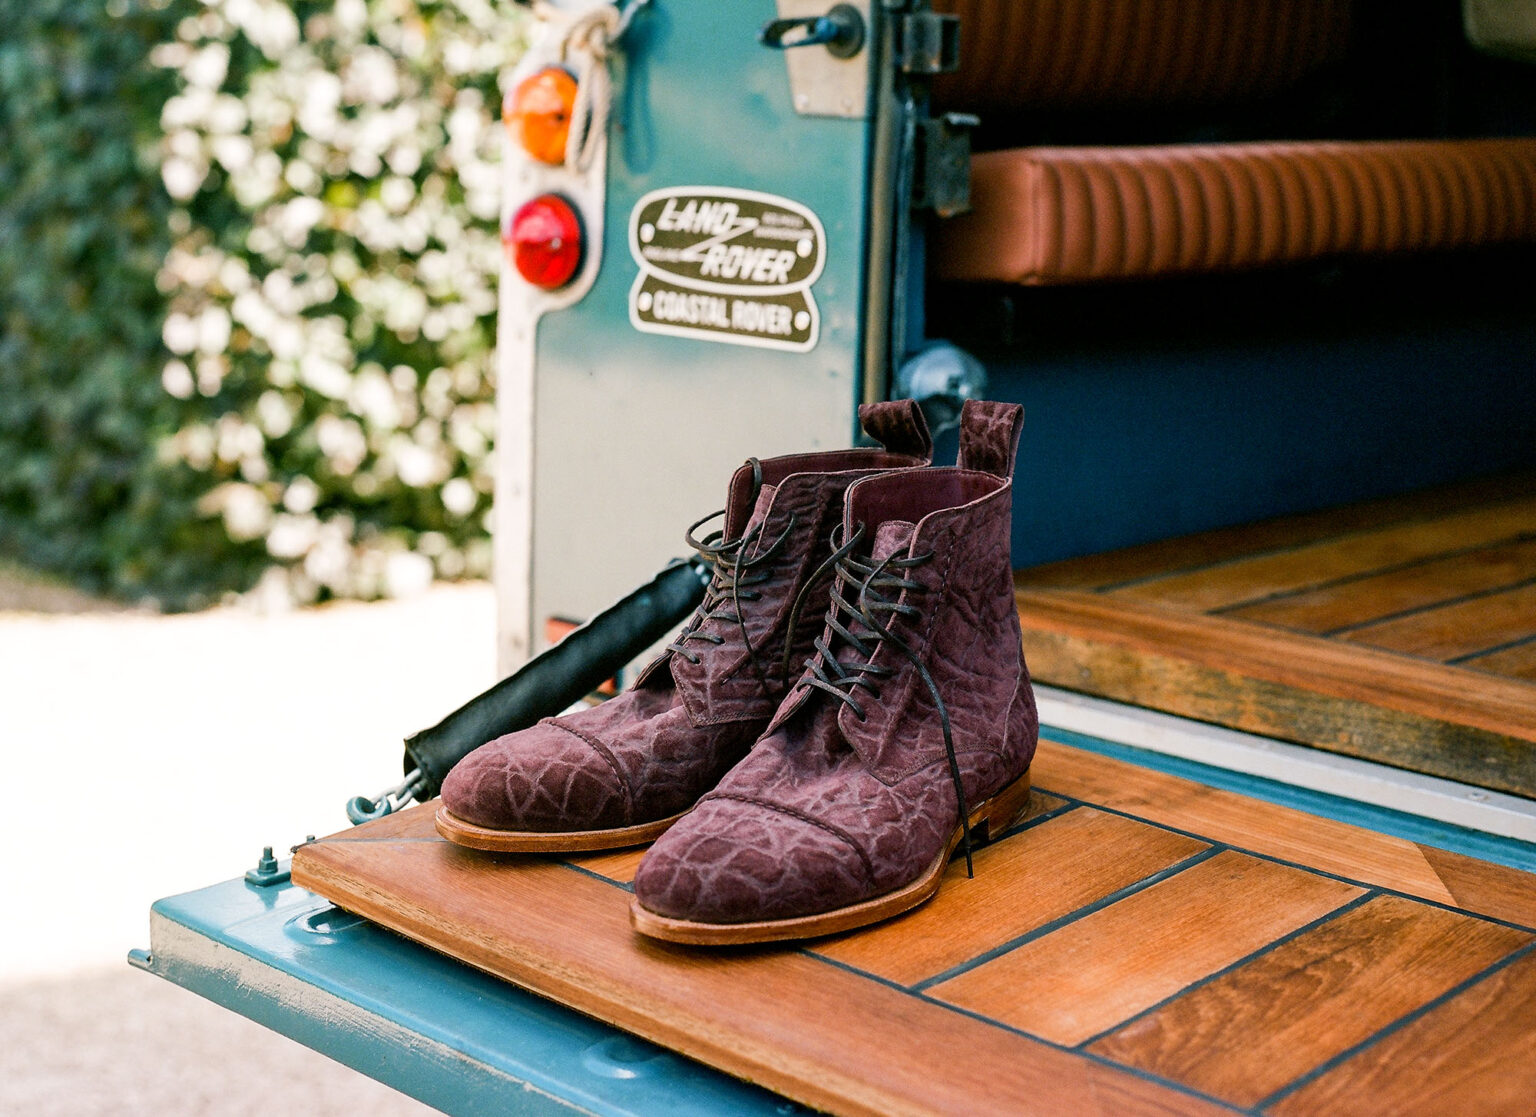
{"type": "Point", "coordinates": [928, 43]}
{"type": "Point", "coordinates": [820, 82]}
{"type": "Point", "coordinates": [942, 181]}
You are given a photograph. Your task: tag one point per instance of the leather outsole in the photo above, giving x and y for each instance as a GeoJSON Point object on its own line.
{"type": "Point", "coordinates": [989, 819]}
{"type": "Point", "coordinates": [487, 838]}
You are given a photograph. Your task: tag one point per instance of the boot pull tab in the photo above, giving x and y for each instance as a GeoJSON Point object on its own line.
{"type": "Point", "coordinates": [989, 436]}
{"type": "Point", "coordinates": [899, 426]}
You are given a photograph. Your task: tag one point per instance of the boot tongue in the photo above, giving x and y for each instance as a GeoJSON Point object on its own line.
{"type": "Point", "coordinates": [760, 509]}
{"type": "Point", "coordinates": [893, 537]}
{"type": "Point", "coordinates": [740, 507]}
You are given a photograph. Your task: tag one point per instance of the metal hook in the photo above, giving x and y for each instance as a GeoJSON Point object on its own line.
{"type": "Point", "coordinates": [361, 809]}
{"type": "Point", "coordinates": [841, 31]}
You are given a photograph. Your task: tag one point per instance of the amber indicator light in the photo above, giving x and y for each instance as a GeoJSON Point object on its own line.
{"type": "Point", "coordinates": [538, 112]}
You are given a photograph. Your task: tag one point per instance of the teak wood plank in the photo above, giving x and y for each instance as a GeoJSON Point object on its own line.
{"type": "Point", "coordinates": [1288, 834]}
{"type": "Point", "coordinates": [1483, 886]}
{"type": "Point", "coordinates": [1474, 1054]}
{"type": "Point", "coordinates": [1518, 662]}
{"type": "Point", "coordinates": [1088, 976]}
{"type": "Point", "coordinates": [1112, 568]}
{"type": "Point", "coordinates": [1290, 713]}
{"type": "Point", "coordinates": [1263, 1025]}
{"type": "Point", "coordinates": [783, 1018]}
{"type": "Point", "coordinates": [1250, 579]}
{"type": "Point", "coordinates": [1461, 629]}
{"type": "Point", "coordinates": [1022, 883]}
{"type": "Point", "coordinates": [1290, 659]}
{"type": "Point", "coordinates": [1447, 720]}
{"type": "Point", "coordinates": [1362, 600]}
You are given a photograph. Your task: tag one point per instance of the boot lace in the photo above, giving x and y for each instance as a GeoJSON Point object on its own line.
{"type": "Point", "coordinates": [733, 576]}
{"type": "Point", "coordinates": [857, 624]}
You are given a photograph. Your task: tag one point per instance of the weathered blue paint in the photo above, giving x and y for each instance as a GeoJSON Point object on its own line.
{"type": "Point", "coordinates": [428, 1026]}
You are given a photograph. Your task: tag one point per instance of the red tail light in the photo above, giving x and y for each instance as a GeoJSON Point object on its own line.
{"type": "Point", "coordinates": [544, 241]}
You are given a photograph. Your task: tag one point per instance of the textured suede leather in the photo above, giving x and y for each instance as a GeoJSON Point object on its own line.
{"type": "Point", "coordinates": [649, 753]}
{"type": "Point", "coordinates": [831, 808]}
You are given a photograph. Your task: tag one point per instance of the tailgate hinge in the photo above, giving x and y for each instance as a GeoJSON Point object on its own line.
{"type": "Point", "coordinates": [942, 177]}
{"type": "Point", "coordinates": [927, 43]}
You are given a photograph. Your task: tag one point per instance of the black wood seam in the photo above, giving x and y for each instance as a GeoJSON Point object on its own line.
{"type": "Point", "coordinates": [1460, 599]}
{"type": "Point", "coordinates": [1312, 868]}
{"type": "Point", "coordinates": [1069, 918]}
{"type": "Point", "coordinates": [1363, 575]}
{"type": "Point", "coordinates": [1397, 1025]}
{"type": "Point", "coordinates": [1147, 1076]}
{"type": "Point", "coordinates": [1246, 959]}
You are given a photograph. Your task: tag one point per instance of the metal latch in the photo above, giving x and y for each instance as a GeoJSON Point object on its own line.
{"type": "Point", "coordinates": [841, 31]}
{"type": "Point", "coordinates": [928, 43]}
{"type": "Point", "coordinates": [941, 180]}
{"type": "Point", "coordinates": [834, 81]}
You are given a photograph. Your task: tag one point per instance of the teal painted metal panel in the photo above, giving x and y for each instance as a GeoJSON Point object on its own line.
{"type": "Point", "coordinates": [637, 431]}
{"type": "Point", "coordinates": [698, 102]}
{"type": "Point", "coordinates": [430, 1027]}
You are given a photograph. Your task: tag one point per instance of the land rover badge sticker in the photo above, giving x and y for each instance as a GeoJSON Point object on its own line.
{"type": "Point", "coordinates": [725, 265]}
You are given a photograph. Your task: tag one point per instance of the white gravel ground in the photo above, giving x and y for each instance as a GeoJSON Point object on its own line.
{"type": "Point", "coordinates": [148, 755]}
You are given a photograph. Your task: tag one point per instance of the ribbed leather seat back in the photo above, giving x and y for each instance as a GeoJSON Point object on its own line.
{"type": "Point", "coordinates": [1085, 215]}
{"type": "Point", "coordinates": [1018, 54]}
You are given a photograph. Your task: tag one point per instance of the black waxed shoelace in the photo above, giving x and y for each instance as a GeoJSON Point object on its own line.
{"type": "Point", "coordinates": [733, 573]}
{"type": "Point", "coordinates": [826, 673]}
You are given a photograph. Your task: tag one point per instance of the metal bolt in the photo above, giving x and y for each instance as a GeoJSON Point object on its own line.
{"type": "Point", "coordinates": [267, 871]}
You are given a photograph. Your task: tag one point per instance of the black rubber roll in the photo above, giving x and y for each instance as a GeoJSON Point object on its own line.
{"type": "Point", "coordinates": [552, 680]}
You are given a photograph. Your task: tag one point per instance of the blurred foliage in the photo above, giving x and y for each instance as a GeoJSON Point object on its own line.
{"type": "Point", "coordinates": [82, 235]}
{"type": "Point", "coordinates": [249, 290]}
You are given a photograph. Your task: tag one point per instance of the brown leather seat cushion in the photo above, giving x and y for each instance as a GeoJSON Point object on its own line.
{"type": "Point", "coordinates": [1077, 215]}
{"type": "Point", "coordinates": [1056, 53]}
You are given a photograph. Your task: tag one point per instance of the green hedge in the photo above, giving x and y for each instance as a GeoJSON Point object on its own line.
{"type": "Point", "coordinates": [248, 254]}
{"type": "Point", "coordinates": [83, 232]}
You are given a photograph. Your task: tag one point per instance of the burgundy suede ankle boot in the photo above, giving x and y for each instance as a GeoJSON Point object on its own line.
{"type": "Point", "coordinates": [910, 732]}
{"type": "Point", "coordinates": [620, 773]}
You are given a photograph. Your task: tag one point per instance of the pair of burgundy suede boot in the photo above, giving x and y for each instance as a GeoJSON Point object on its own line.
{"type": "Point", "coordinates": [803, 772]}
